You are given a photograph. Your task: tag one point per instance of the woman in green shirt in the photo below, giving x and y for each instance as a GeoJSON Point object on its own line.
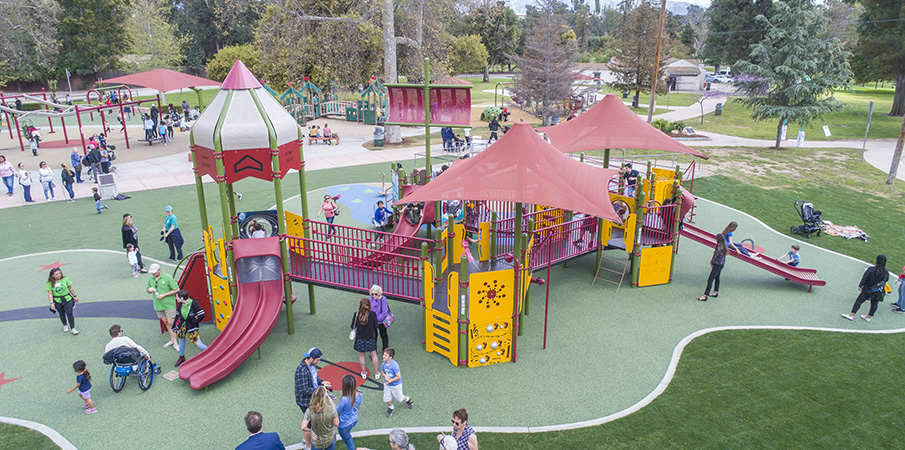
{"type": "Point", "coordinates": [62, 298]}
{"type": "Point", "coordinates": [321, 421]}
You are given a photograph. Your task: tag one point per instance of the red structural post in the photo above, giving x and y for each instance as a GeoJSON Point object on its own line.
{"type": "Point", "coordinates": [122, 116]}
{"type": "Point", "coordinates": [47, 108]}
{"type": "Point", "coordinates": [88, 99]}
{"type": "Point", "coordinates": [81, 132]}
{"type": "Point", "coordinates": [19, 132]}
{"type": "Point", "coordinates": [65, 135]}
{"type": "Point", "coordinates": [3, 102]}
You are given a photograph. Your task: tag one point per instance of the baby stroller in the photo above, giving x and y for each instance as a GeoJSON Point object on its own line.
{"type": "Point", "coordinates": [124, 364]}
{"type": "Point", "coordinates": [810, 218]}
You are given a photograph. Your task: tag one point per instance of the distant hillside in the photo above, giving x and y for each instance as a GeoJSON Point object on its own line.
{"type": "Point", "coordinates": [678, 8]}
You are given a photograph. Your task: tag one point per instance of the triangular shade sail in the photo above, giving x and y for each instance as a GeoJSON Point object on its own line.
{"type": "Point", "coordinates": [164, 80]}
{"type": "Point", "coordinates": [611, 124]}
{"type": "Point", "coordinates": [523, 167]}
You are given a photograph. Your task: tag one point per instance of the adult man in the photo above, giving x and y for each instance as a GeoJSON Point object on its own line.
{"type": "Point", "coordinates": [306, 381]}
{"type": "Point", "coordinates": [76, 159]}
{"type": "Point", "coordinates": [631, 179]}
{"type": "Point", "coordinates": [118, 340]}
{"type": "Point", "coordinates": [256, 439]}
{"type": "Point", "coordinates": [494, 127]}
{"type": "Point", "coordinates": [164, 288]}
{"type": "Point", "coordinates": [154, 114]}
{"type": "Point", "coordinates": [94, 157]}
{"type": "Point", "coordinates": [171, 234]}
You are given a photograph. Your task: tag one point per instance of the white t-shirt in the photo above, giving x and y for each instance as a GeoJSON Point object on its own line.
{"type": "Point", "coordinates": [123, 341]}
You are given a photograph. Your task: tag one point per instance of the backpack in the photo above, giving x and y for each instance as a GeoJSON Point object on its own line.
{"type": "Point", "coordinates": [86, 161]}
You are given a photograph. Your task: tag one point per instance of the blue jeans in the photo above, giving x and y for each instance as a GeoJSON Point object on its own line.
{"type": "Point", "coordinates": [198, 344]}
{"type": "Point", "coordinates": [346, 434]}
{"type": "Point", "coordinates": [69, 189]}
{"type": "Point", "coordinates": [26, 191]}
{"type": "Point", "coordinates": [901, 300]}
{"type": "Point", "coordinates": [332, 229]}
{"type": "Point", "coordinates": [8, 181]}
{"type": "Point", "coordinates": [741, 249]}
{"type": "Point", "coordinates": [331, 447]}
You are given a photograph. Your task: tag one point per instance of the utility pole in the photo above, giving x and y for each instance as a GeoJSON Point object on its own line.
{"type": "Point", "coordinates": [656, 75]}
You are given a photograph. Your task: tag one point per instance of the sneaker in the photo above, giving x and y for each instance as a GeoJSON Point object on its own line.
{"type": "Point", "coordinates": [410, 403]}
{"type": "Point", "coordinates": [899, 311]}
{"type": "Point", "coordinates": [74, 331]}
{"type": "Point", "coordinates": [134, 275]}
{"type": "Point", "coordinates": [364, 375]}
{"type": "Point", "coordinates": [866, 319]}
{"type": "Point", "coordinates": [180, 361]}
{"type": "Point", "coordinates": [65, 328]}
{"type": "Point", "coordinates": [846, 316]}
{"type": "Point", "coordinates": [390, 411]}
{"type": "Point", "coordinates": [90, 410]}
{"type": "Point", "coordinates": [86, 406]}
{"type": "Point", "coordinates": [377, 375]}
{"type": "Point", "coordinates": [239, 196]}
{"type": "Point", "coordinates": [156, 368]}
{"type": "Point", "coordinates": [169, 343]}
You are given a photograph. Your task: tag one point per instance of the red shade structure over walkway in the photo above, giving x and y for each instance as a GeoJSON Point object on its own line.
{"type": "Point", "coordinates": [523, 167]}
{"type": "Point", "coordinates": [611, 124]}
{"type": "Point", "coordinates": [163, 80]}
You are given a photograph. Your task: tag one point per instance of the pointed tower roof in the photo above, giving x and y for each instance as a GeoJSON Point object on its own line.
{"type": "Point", "coordinates": [240, 78]}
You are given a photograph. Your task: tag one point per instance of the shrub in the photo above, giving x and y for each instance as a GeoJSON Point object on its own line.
{"type": "Point", "coordinates": [662, 125]}
{"type": "Point", "coordinates": [677, 125]}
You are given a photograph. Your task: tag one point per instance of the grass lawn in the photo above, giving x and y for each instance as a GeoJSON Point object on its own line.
{"type": "Point", "coordinates": [673, 99]}
{"type": "Point", "coordinates": [849, 123]}
{"type": "Point", "coordinates": [13, 437]}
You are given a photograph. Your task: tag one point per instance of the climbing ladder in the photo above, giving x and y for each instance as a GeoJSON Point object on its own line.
{"type": "Point", "coordinates": [625, 263]}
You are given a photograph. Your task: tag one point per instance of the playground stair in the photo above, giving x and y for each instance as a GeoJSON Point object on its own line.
{"type": "Point", "coordinates": [807, 277]}
{"type": "Point", "coordinates": [624, 263]}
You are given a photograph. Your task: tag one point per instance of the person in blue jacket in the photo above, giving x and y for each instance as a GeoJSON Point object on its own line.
{"type": "Point", "coordinates": [258, 440]}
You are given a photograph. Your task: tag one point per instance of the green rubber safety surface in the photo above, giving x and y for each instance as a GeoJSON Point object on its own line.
{"type": "Point", "coordinates": [605, 352]}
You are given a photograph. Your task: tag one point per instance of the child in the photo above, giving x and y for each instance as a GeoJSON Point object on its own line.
{"type": "Point", "coordinates": [132, 254]}
{"type": "Point", "coordinates": [83, 384]}
{"type": "Point", "coordinates": [97, 201]}
{"type": "Point", "coordinates": [794, 257]}
{"type": "Point", "coordinates": [392, 388]}
{"type": "Point", "coordinates": [162, 132]}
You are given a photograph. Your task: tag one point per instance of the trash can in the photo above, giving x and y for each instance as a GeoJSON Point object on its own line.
{"type": "Point", "coordinates": [378, 137]}
{"type": "Point", "coordinates": [719, 110]}
{"type": "Point", "coordinates": [624, 94]}
{"type": "Point", "coordinates": [707, 86]}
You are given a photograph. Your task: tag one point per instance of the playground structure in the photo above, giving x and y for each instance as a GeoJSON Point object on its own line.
{"type": "Point", "coordinates": [23, 119]}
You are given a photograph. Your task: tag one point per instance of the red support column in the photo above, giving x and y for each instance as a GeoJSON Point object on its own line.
{"type": "Point", "coordinates": [47, 108]}
{"type": "Point", "coordinates": [122, 116]}
{"type": "Point", "coordinates": [81, 131]}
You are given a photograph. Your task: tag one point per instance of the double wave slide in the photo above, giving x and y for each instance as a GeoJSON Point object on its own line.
{"type": "Point", "coordinates": [258, 303]}
{"type": "Point", "coordinates": [807, 277]}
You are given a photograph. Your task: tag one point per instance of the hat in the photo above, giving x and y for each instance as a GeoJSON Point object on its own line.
{"type": "Point", "coordinates": [154, 268]}
{"type": "Point", "coordinates": [314, 352]}
{"type": "Point", "coordinates": [448, 443]}
{"type": "Point", "coordinates": [168, 208]}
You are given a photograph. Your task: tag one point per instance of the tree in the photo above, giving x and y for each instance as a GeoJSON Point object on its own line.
{"type": "Point", "coordinates": [733, 29]}
{"type": "Point", "coordinates": [792, 72]}
{"type": "Point", "coordinates": [209, 25]}
{"type": "Point", "coordinates": [694, 17]}
{"type": "Point", "coordinates": [499, 29]}
{"type": "Point", "coordinates": [880, 52]}
{"type": "Point", "coordinates": [545, 76]}
{"type": "Point", "coordinates": [28, 45]}
{"type": "Point", "coordinates": [154, 44]}
{"type": "Point", "coordinates": [218, 67]}
{"type": "Point", "coordinates": [844, 15]}
{"type": "Point", "coordinates": [92, 34]}
{"type": "Point", "coordinates": [635, 47]}
{"type": "Point", "coordinates": [467, 54]}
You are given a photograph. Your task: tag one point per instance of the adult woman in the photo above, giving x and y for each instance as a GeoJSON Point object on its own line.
{"type": "Point", "coordinates": [188, 317]}
{"type": "Point", "coordinates": [380, 307]}
{"type": "Point", "coordinates": [365, 324]}
{"type": "Point", "coordinates": [328, 207]}
{"type": "Point", "coordinates": [320, 420]}
{"type": "Point", "coordinates": [398, 441]}
{"type": "Point", "coordinates": [872, 287]}
{"type": "Point", "coordinates": [25, 181]}
{"type": "Point", "coordinates": [46, 177]}
{"type": "Point", "coordinates": [68, 178]}
{"type": "Point", "coordinates": [727, 233]}
{"type": "Point", "coordinates": [348, 410]}
{"type": "Point", "coordinates": [62, 298]}
{"type": "Point", "coordinates": [171, 233]}
{"type": "Point", "coordinates": [462, 432]}
{"type": "Point", "coordinates": [716, 266]}
{"type": "Point", "coordinates": [8, 173]}
{"type": "Point", "coordinates": [130, 236]}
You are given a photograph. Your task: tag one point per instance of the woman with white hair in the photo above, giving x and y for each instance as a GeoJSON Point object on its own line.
{"type": "Point", "coordinates": [398, 441]}
{"type": "Point", "coordinates": [385, 317]}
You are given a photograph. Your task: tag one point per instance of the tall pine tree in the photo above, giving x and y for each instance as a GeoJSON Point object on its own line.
{"type": "Point", "coordinates": [792, 73]}
{"type": "Point", "coordinates": [733, 29]}
{"type": "Point", "coordinates": [880, 52]}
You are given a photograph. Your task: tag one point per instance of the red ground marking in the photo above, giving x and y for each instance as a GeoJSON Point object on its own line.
{"type": "Point", "coordinates": [334, 374]}
{"type": "Point", "coordinates": [2, 381]}
{"type": "Point", "coordinates": [51, 266]}
{"type": "Point", "coordinates": [76, 142]}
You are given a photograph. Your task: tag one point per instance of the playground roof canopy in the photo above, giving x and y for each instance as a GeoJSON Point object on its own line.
{"type": "Point", "coordinates": [611, 124]}
{"type": "Point", "coordinates": [164, 80]}
{"type": "Point", "coordinates": [523, 167]}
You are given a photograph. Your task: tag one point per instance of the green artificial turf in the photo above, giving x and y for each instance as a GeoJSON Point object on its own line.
{"type": "Point", "coordinates": [14, 437]}
{"type": "Point", "coordinates": [848, 123]}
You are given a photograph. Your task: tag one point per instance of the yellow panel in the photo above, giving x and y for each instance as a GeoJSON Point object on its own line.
{"type": "Point", "coordinates": [490, 342]}
{"type": "Point", "coordinates": [484, 245]}
{"type": "Point", "coordinates": [664, 186]}
{"type": "Point", "coordinates": [459, 230]}
{"type": "Point", "coordinates": [444, 261]}
{"type": "Point", "coordinates": [440, 329]}
{"type": "Point", "coordinates": [548, 218]}
{"type": "Point", "coordinates": [428, 284]}
{"type": "Point", "coordinates": [222, 303]}
{"type": "Point", "coordinates": [655, 264]}
{"type": "Point", "coordinates": [295, 227]}
{"type": "Point", "coordinates": [629, 225]}
{"type": "Point", "coordinates": [628, 201]}
{"type": "Point", "coordinates": [490, 295]}
{"type": "Point", "coordinates": [526, 274]}
{"type": "Point", "coordinates": [606, 229]}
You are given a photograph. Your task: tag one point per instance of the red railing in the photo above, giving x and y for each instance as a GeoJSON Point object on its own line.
{"type": "Point", "coordinates": [561, 242]}
{"type": "Point", "coordinates": [658, 225]}
{"type": "Point", "coordinates": [355, 259]}
{"type": "Point", "coordinates": [480, 211]}
{"type": "Point", "coordinates": [504, 229]}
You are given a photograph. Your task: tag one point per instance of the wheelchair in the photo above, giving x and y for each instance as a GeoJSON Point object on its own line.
{"type": "Point", "coordinates": [123, 367]}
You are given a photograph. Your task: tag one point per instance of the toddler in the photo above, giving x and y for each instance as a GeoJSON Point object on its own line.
{"type": "Point", "coordinates": [83, 384]}
{"type": "Point", "coordinates": [97, 201]}
{"type": "Point", "coordinates": [794, 257]}
{"type": "Point", "coordinates": [132, 254]}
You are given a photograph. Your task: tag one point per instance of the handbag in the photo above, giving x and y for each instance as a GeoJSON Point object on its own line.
{"type": "Point", "coordinates": [352, 335]}
{"type": "Point", "coordinates": [389, 319]}
{"type": "Point", "coordinates": [354, 329]}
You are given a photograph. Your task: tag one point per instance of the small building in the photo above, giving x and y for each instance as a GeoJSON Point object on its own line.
{"type": "Point", "coordinates": [684, 74]}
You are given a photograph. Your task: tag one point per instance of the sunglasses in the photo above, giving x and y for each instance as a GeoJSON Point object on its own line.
{"type": "Point", "coordinates": [456, 423]}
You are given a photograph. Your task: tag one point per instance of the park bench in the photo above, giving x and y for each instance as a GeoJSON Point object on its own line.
{"type": "Point", "coordinates": [327, 140]}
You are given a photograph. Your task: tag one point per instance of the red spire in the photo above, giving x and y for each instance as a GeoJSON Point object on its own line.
{"type": "Point", "coordinates": [240, 78]}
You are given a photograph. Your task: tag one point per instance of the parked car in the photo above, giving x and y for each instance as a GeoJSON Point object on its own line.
{"type": "Point", "coordinates": [709, 78]}
{"type": "Point", "coordinates": [723, 79]}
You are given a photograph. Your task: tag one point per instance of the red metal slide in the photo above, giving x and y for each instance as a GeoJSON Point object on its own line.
{"type": "Point", "coordinates": [807, 277]}
{"type": "Point", "coordinates": [258, 303]}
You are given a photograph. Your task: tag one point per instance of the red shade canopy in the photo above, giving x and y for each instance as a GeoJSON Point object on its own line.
{"type": "Point", "coordinates": [523, 167]}
{"type": "Point", "coordinates": [164, 80]}
{"type": "Point", "coordinates": [611, 124]}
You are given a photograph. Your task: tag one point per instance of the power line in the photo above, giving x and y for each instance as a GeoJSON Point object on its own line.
{"type": "Point", "coordinates": [761, 30]}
